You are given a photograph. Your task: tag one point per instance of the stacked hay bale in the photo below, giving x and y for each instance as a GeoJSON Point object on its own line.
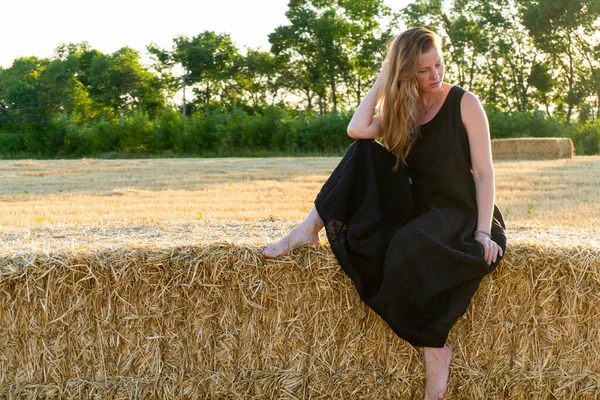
{"type": "Point", "coordinates": [216, 320]}
{"type": "Point", "coordinates": [532, 148]}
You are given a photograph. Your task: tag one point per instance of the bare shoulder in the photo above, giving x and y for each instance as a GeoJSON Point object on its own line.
{"type": "Point", "coordinates": [471, 109]}
{"type": "Point", "coordinates": [470, 101]}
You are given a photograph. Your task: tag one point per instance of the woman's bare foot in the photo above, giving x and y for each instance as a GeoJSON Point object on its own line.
{"type": "Point", "coordinates": [437, 366]}
{"type": "Point", "coordinates": [307, 231]}
{"type": "Point", "coordinates": [298, 235]}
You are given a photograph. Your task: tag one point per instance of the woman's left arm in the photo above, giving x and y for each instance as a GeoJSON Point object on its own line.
{"type": "Point", "coordinates": [478, 133]}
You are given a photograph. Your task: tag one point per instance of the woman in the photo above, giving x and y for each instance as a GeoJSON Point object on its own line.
{"type": "Point", "coordinates": [413, 223]}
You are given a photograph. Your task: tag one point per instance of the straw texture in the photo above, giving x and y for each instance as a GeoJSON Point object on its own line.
{"type": "Point", "coordinates": [215, 320]}
{"type": "Point", "coordinates": [532, 148]}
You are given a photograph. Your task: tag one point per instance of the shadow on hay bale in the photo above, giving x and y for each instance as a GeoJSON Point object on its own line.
{"type": "Point", "coordinates": [219, 321]}
{"type": "Point", "coordinates": [532, 148]}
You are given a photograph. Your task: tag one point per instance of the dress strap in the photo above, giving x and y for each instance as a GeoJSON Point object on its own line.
{"type": "Point", "coordinates": [456, 93]}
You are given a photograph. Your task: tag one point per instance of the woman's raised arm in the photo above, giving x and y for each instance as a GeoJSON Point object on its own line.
{"type": "Point", "coordinates": [364, 124]}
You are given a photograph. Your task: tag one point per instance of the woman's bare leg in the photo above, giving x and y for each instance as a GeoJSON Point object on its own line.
{"type": "Point", "coordinates": [307, 231]}
{"type": "Point", "coordinates": [437, 366]}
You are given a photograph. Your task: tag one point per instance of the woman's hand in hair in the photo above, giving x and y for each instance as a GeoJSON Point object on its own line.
{"type": "Point", "coordinates": [364, 124]}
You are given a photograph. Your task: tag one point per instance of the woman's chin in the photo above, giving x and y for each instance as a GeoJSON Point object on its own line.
{"type": "Point", "coordinates": [432, 88]}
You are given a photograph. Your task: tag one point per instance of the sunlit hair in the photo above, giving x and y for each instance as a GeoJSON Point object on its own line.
{"type": "Point", "coordinates": [399, 93]}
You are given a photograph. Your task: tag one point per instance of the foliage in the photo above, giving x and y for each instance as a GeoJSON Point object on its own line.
{"type": "Point", "coordinates": [235, 131]}
{"type": "Point", "coordinates": [587, 139]}
{"type": "Point", "coordinates": [565, 32]}
{"type": "Point", "coordinates": [330, 46]}
{"type": "Point", "coordinates": [526, 124]}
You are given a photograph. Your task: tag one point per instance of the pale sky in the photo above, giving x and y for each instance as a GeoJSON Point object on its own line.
{"type": "Point", "coordinates": [37, 27]}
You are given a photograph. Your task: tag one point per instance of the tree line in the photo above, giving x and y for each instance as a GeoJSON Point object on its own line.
{"type": "Point", "coordinates": [532, 61]}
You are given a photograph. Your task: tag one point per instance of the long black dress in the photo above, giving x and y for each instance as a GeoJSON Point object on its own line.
{"type": "Point", "coordinates": [405, 238]}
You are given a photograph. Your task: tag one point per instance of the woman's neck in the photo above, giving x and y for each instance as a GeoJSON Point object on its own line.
{"type": "Point", "coordinates": [430, 99]}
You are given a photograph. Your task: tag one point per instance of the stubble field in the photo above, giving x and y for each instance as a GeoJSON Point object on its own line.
{"type": "Point", "coordinates": [37, 194]}
{"type": "Point", "coordinates": [48, 205]}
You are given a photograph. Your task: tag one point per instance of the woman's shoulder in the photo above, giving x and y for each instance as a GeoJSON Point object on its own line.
{"type": "Point", "coordinates": [464, 101]}
{"type": "Point", "coordinates": [465, 98]}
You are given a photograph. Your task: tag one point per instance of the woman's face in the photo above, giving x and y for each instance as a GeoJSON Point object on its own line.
{"type": "Point", "coordinates": [431, 71]}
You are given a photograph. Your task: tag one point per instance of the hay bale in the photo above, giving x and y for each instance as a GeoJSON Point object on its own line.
{"type": "Point", "coordinates": [218, 321]}
{"type": "Point", "coordinates": [532, 148]}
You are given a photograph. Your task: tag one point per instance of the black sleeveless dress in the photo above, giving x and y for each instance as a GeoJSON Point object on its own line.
{"type": "Point", "coordinates": [406, 238]}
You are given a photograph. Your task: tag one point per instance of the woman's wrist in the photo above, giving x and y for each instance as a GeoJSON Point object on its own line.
{"type": "Point", "coordinates": [489, 234]}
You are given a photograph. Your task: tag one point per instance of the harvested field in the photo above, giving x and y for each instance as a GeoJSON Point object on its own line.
{"type": "Point", "coordinates": [96, 192]}
{"type": "Point", "coordinates": [144, 298]}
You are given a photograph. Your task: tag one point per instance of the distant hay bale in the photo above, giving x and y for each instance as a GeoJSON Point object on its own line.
{"type": "Point", "coordinates": [532, 148]}
{"type": "Point", "coordinates": [219, 321]}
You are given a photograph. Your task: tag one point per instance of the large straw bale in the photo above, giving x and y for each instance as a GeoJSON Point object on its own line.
{"type": "Point", "coordinates": [215, 320]}
{"type": "Point", "coordinates": [549, 148]}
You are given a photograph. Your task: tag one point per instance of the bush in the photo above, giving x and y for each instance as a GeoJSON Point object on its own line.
{"type": "Point", "coordinates": [38, 140]}
{"type": "Point", "coordinates": [75, 137]}
{"type": "Point", "coordinates": [137, 133]}
{"type": "Point", "coordinates": [234, 131]}
{"type": "Point", "coordinates": [78, 141]}
{"type": "Point", "coordinates": [310, 133]}
{"type": "Point", "coordinates": [586, 139]}
{"type": "Point", "coordinates": [104, 136]}
{"type": "Point", "coordinates": [167, 127]}
{"type": "Point", "coordinates": [259, 129]}
{"type": "Point", "coordinates": [520, 124]}
{"type": "Point", "coordinates": [11, 143]}
{"type": "Point", "coordinates": [231, 129]}
{"type": "Point", "coordinates": [329, 132]}
{"type": "Point", "coordinates": [197, 138]}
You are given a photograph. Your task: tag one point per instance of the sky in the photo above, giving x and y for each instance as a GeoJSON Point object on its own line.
{"type": "Point", "coordinates": [37, 27]}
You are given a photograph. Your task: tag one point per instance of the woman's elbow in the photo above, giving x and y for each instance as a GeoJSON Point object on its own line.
{"type": "Point", "coordinates": [352, 132]}
{"type": "Point", "coordinates": [481, 175]}
{"type": "Point", "coordinates": [365, 133]}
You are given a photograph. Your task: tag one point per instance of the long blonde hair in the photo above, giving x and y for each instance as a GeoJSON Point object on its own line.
{"type": "Point", "coordinates": [399, 93]}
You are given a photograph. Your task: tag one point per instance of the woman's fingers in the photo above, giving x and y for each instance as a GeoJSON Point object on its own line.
{"type": "Point", "coordinates": [496, 251]}
{"type": "Point", "coordinates": [491, 250]}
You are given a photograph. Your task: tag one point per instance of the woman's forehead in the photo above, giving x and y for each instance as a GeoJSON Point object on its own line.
{"type": "Point", "coordinates": [430, 57]}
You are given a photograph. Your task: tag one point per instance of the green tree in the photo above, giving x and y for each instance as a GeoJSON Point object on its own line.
{"type": "Point", "coordinates": [257, 76]}
{"type": "Point", "coordinates": [120, 82]}
{"type": "Point", "coordinates": [541, 79]}
{"type": "Point", "coordinates": [366, 44]}
{"type": "Point", "coordinates": [163, 68]}
{"type": "Point", "coordinates": [565, 31]}
{"type": "Point", "coordinates": [20, 91]}
{"type": "Point", "coordinates": [331, 48]}
{"type": "Point", "coordinates": [209, 62]}
{"type": "Point", "coordinates": [296, 45]}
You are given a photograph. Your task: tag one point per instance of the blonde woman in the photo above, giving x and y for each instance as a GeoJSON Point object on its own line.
{"type": "Point", "coordinates": [413, 222]}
